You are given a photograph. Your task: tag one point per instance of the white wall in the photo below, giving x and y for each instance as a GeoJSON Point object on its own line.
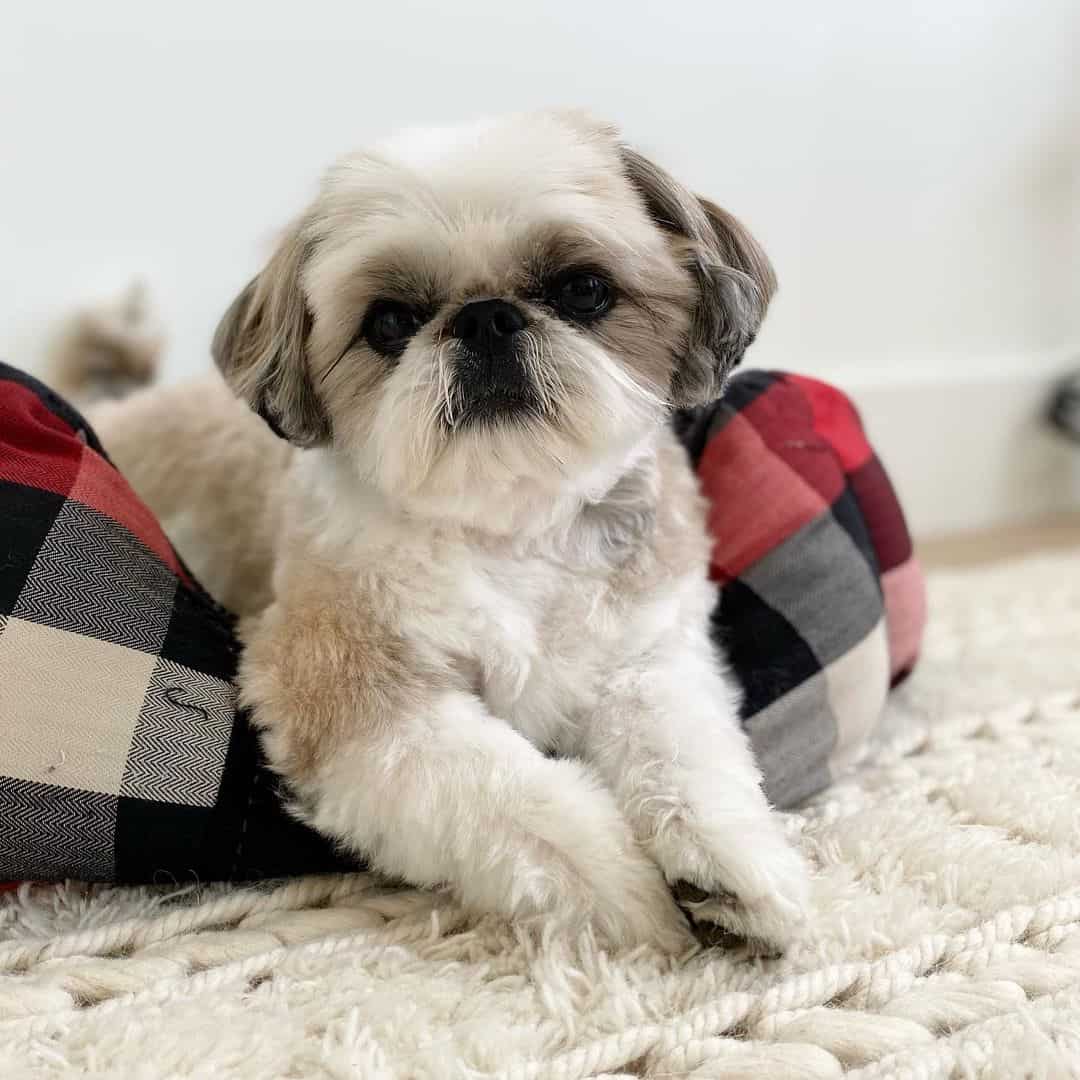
{"type": "Point", "coordinates": [913, 168]}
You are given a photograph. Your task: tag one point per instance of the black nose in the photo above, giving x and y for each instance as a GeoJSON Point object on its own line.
{"type": "Point", "coordinates": [487, 322]}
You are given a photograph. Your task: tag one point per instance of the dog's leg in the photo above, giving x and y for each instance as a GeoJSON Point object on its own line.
{"type": "Point", "coordinates": [429, 787]}
{"type": "Point", "coordinates": [456, 796]}
{"type": "Point", "coordinates": [667, 739]}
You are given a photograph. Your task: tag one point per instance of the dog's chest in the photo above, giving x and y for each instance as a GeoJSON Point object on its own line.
{"type": "Point", "coordinates": [541, 637]}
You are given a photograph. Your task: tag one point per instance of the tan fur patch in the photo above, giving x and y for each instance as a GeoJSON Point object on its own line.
{"type": "Point", "coordinates": [325, 664]}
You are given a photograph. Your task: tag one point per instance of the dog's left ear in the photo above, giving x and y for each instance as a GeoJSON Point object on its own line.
{"type": "Point", "coordinates": [734, 277]}
{"type": "Point", "coordinates": [260, 346]}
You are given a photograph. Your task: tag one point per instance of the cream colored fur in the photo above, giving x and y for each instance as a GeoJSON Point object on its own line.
{"type": "Point", "coordinates": [479, 654]}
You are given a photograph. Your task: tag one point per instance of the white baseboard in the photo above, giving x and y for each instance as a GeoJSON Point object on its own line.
{"type": "Point", "coordinates": [969, 450]}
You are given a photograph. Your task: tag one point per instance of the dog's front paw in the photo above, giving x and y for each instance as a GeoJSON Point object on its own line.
{"type": "Point", "coordinates": [568, 859]}
{"type": "Point", "coordinates": [748, 884]}
{"type": "Point", "coordinates": [628, 901]}
{"type": "Point", "coordinates": [615, 889]}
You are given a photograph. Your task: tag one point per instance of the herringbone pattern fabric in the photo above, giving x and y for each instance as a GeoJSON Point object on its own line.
{"type": "Point", "coordinates": [181, 739]}
{"type": "Point", "coordinates": [92, 576]}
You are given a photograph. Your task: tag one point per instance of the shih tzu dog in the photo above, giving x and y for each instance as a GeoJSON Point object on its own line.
{"type": "Point", "coordinates": [472, 562]}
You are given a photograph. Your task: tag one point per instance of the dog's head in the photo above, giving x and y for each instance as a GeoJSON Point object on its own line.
{"type": "Point", "coordinates": [518, 301]}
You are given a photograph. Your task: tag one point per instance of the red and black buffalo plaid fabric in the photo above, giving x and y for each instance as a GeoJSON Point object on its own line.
{"type": "Point", "coordinates": [822, 602]}
{"type": "Point", "coordinates": [123, 756]}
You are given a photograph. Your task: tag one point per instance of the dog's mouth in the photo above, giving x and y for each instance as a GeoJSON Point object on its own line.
{"type": "Point", "coordinates": [492, 388]}
{"type": "Point", "coordinates": [496, 407]}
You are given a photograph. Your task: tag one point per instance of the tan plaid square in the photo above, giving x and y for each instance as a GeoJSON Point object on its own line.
{"type": "Point", "coordinates": [68, 706]}
{"type": "Point", "coordinates": [857, 686]}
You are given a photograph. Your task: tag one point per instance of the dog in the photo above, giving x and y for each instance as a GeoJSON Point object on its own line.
{"type": "Point", "coordinates": [439, 483]}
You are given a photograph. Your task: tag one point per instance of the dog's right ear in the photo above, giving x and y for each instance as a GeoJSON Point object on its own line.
{"type": "Point", "coordinates": [261, 342]}
{"type": "Point", "coordinates": [735, 280]}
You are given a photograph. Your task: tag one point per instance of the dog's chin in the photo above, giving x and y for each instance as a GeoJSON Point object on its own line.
{"type": "Point", "coordinates": [500, 465]}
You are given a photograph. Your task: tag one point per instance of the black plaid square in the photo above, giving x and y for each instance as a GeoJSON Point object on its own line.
{"type": "Point", "coordinates": [91, 576]}
{"type": "Point", "coordinates": [52, 832]}
{"type": "Point", "coordinates": [28, 515]}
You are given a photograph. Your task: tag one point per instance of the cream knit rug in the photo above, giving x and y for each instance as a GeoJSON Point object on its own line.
{"type": "Point", "coordinates": [947, 941]}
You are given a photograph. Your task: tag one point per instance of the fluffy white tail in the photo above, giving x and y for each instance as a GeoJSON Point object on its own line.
{"type": "Point", "coordinates": [107, 349]}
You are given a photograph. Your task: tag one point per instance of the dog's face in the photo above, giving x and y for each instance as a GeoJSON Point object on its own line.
{"type": "Point", "coordinates": [521, 301]}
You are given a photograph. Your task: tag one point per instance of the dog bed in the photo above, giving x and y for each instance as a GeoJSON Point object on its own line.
{"type": "Point", "coordinates": [123, 756]}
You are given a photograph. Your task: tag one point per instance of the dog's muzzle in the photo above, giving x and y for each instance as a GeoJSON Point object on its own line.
{"type": "Point", "coordinates": [491, 378]}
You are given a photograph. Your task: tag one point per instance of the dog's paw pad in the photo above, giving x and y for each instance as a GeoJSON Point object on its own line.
{"type": "Point", "coordinates": [686, 892]}
{"type": "Point", "coordinates": [720, 920]}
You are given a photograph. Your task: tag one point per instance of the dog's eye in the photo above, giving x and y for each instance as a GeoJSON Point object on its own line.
{"type": "Point", "coordinates": [388, 326]}
{"type": "Point", "coordinates": [582, 295]}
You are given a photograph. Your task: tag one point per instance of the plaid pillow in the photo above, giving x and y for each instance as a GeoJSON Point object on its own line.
{"type": "Point", "coordinates": [123, 756]}
{"type": "Point", "coordinates": [822, 602]}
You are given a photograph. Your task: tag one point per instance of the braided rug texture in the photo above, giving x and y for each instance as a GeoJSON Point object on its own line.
{"type": "Point", "coordinates": [946, 940]}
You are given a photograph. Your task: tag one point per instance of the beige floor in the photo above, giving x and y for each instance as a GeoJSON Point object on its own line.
{"type": "Point", "coordinates": [980, 548]}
